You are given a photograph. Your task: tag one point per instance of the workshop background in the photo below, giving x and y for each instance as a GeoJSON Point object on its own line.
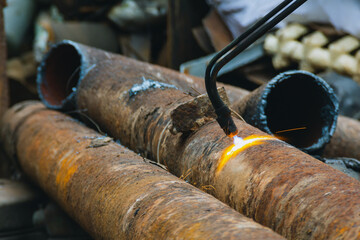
{"type": "Point", "coordinates": [107, 131]}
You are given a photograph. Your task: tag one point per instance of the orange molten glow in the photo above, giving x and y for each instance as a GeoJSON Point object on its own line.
{"type": "Point", "coordinates": [240, 145]}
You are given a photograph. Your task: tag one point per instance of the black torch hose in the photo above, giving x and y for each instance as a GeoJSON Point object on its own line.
{"type": "Point", "coordinates": [232, 50]}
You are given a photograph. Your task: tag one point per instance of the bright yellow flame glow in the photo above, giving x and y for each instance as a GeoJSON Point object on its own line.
{"type": "Point", "coordinates": [240, 145]}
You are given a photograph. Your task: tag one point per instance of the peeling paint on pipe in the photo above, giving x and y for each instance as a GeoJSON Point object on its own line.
{"type": "Point", "coordinates": [111, 191]}
{"type": "Point", "coordinates": [274, 183]}
{"type": "Point", "coordinates": [296, 106]}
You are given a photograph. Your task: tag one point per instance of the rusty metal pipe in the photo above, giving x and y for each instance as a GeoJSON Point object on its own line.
{"type": "Point", "coordinates": [296, 106]}
{"type": "Point", "coordinates": [291, 99]}
{"type": "Point", "coordinates": [60, 96]}
{"type": "Point", "coordinates": [111, 191]}
{"type": "Point", "coordinates": [346, 139]}
{"type": "Point", "coordinates": [272, 182]}
{"type": "Point", "coordinates": [315, 99]}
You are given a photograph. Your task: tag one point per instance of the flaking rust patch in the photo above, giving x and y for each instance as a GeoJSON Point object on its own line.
{"type": "Point", "coordinates": [100, 142]}
{"type": "Point", "coordinates": [148, 84]}
{"type": "Point", "coordinates": [195, 113]}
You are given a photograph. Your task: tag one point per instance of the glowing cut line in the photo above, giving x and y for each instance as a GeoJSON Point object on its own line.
{"type": "Point", "coordinates": [240, 145]}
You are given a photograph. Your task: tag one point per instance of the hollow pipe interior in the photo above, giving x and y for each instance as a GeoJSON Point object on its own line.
{"type": "Point", "coordinates": [300, 109]}
{"type": "Point", "coordinates": [59, 74]}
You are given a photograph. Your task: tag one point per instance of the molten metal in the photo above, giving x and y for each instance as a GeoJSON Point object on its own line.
{"type": "Point", "coordinates": [240, 145]}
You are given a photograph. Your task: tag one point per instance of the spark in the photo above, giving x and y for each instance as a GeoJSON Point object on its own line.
{"type": "Point", "coordinates": [240, 145]}
{"type": "Point", "coordinates": [290, 130]}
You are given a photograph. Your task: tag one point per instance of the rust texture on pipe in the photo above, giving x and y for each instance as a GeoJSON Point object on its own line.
{"type": "Point", "coordinates": [346, 139]}
{"type": "Point", "coordinates": [236, 96]}
{"type": "Point", "coordinates": [4, 85]}
{"type": "Point", "coordinates": [111, 191]}
{"type": "Point", "coordinates": [296, 106]}
{"type": "Point", "coordinates": [276, 184]}
{"type": "Point", "coordinates": [62, 97]}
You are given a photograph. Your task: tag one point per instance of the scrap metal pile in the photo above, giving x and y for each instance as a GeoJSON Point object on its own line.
{"type": "Point", "coordinates": [129, 148]}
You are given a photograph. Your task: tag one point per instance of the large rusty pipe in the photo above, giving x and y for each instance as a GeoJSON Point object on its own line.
{"type": "Point", "coordinates": [63, 96]}
{"type": "Point", "coordinates": [296, 106]}
{"type": "Point", "coordinates": [272, 182]}
{"type": "Point", "coordinates": [297, 101]}
{"type": "Point", "coordinates": [111, 191]}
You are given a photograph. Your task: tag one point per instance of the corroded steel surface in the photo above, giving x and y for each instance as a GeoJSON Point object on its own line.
{"type": "Point", "coordinates": [89, 61]}
{"type": "Point", "coordinates": [346, 139]}
{"type": "Point", "coordinates": [111, 191]}
{"type": "Point", "coordinates": [278, 185]}
{"type": "Point", "coordinates": [253, 107]}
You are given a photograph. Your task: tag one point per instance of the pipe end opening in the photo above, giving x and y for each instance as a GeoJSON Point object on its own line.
{"type": "Point", "coordinates": [301, 109]}
{"type": "Point", "coordinates": [59, 74]}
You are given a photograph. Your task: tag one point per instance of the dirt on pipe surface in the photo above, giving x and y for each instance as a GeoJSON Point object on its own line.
{"type": "Point", "coordinates": [111, 191]}
{"type": "Point", "coordinates": [264, 178]}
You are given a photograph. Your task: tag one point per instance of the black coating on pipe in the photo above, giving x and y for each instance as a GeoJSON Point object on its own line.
{"type": "Point", "coordinates": [297, 99]}
{"type": "Point", "coordinates": [58, 64]}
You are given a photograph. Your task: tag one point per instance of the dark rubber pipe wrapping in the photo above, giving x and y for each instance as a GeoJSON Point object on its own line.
{"type": "Point", "coordinates": [111, 191]}
{"type": "Point", "coordinates": [272, 182]}
{"type": "Point", "coordinates": [296, 106]}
